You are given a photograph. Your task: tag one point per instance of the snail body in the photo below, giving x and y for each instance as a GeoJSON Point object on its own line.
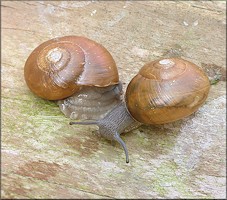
{"type": "Point", "coordinates": [163, 91]}
{"type": "Point", "coordinates": [64, 69]}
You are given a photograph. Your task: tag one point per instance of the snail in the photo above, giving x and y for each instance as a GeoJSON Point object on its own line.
{"type": "Point", "coordinates": [77, 73]}
{"type": "Point", "coordinates": [164, 90]}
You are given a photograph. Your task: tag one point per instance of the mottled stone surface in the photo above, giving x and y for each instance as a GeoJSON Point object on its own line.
{"type": "Point", "coordinates": [44, 157]}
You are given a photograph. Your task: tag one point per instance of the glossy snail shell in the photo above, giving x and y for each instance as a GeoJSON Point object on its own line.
{"type": "Point", "coordinates": [59, 67]}
{"type": "Point", "coordinates": [166, 90]}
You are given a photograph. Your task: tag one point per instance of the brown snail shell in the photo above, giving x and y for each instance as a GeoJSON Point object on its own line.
{"type": "Point", "coordinates": [166, 90]}
{"type": "Point", "coordinates": [58, 68]}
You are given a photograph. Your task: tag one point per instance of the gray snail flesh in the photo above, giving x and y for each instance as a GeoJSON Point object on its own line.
{"type": "Point", "coordinates": [117, 121]}
{"type": "Point", "coordinates": [91, 102]}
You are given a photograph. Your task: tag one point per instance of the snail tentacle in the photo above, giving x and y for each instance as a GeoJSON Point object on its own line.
{"type": "Point", "coordinates": [115, 136]}
{"type": "Point", "coordinates": [84, 123]}
{"type": "Point", "coordinates": [122, 143]}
